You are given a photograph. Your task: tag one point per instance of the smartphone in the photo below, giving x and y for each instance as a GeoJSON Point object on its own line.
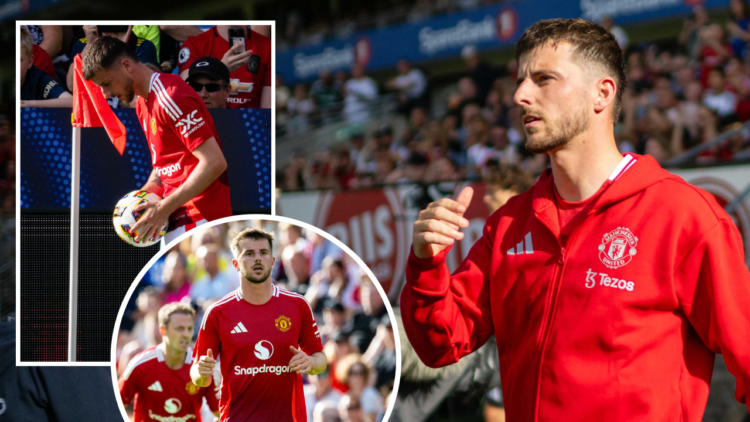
{"type": "Point", "coordinates": [237, 35]}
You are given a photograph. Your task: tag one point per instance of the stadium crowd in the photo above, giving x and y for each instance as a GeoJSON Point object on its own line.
{"type": "Point", "coordinates": [680, 93]}
{"type": "Point", "coordinates": [355, 328]}
{"type": "Point", "coordinates": [310, 24]}
{"type": "Point", "coordinates": [48, 51]}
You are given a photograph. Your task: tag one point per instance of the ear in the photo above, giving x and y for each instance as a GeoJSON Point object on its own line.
{"type": "Point", "coordinates": [162, 330]}
{"type": "Point", "coordinates": [236, 265]}
{"type": "Point", "coordinates": [606, 92]}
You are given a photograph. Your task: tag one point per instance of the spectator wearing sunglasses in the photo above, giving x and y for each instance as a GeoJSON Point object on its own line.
{"type": "Point", "coordinates": [209, 77]}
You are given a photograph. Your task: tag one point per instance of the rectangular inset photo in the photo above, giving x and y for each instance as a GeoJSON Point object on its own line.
{"type": "Point", "coordinates": [131, 135]}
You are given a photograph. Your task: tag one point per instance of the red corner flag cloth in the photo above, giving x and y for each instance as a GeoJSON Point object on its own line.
{"type": "Point", "coordinates": [90, 109]}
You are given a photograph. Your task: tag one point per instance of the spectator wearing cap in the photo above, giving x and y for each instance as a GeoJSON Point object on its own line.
{"type": "Point", "coordinates": [209, 77]}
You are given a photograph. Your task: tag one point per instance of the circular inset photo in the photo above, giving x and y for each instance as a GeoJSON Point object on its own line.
{"type": "Point", "coordinates": [256, 318]}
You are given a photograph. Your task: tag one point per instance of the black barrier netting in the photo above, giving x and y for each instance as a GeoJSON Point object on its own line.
{"type": "Point", "coordinates": [107, 267]}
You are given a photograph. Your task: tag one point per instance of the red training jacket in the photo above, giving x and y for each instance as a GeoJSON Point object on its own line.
{"type": "Point", "coordinates": [620, 325]}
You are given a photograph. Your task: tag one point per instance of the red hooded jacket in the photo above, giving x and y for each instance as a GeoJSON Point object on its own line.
{"type": "Point", "coordinates": [622, 324]}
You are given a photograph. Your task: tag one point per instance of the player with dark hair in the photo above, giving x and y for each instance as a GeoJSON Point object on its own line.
{"type": "Point", "coordinates": [610, 285]}
{"type": "Point", "coordinates": [189, 165]}
{"type": "Point", "coordinates": [256, 331]}
{"type": "Point", "coordinates": [157, 380]}
{"type": "Point", "coordinates": [249, 63]}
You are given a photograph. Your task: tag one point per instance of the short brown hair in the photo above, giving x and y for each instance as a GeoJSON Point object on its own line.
{"type": "Point", "coordinates": [590, 42]}
{"type": "Point", "coordinates": [27, 42]}
{"type": "Point", "coordinates": [166, 311]}
{"type": "Point", "coordinates": [508, 177]}
{"type": "Point", "coordinates": [250, 233]}
{"type": "Point", "coordinates": [105, 53]}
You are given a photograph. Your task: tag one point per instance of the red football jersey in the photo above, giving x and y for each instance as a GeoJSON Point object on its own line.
{"type": "Point", "coordinates": [253, 344]}
{"type": "Point", "coordinates": [161, 393]}
{"type": "Point", "coordinates": [246, 87]}
{"type": "Point", "coordinates": [176, 122]}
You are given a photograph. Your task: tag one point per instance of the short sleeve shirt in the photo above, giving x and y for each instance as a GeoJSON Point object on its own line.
{"type": "Point", "coordinates": [159, 392]}
{"type": "Point", "coordinates": [253, 342]}
{"type": "Point", "coordinates": [176, 122]}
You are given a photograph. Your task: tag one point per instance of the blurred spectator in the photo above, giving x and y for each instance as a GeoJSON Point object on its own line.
{"type": "Point", "coordinates": [718, 99]}
{"type": "Point", "coordinates": [213, 284]}
{"type": "Point", "coordinates": [301, 108]}
{"type": "Point", "coordinates": [175, 278]}
{"type": "Point", "coordinates": [360, 92]}
{"type": "Point", "coordinates": [411, 86]}
{"type": "Point", "coordinates": [692, 25]}
{"type": "Point", "coordinates": [37, 88]}
{"type": "Point", "coordinates": [713, 50]}
{"type": "Point", "coordinates": [334, 318]}
{"type": "Point", "coordinates": [209, 77]}
{"type": "Point", "coordinates": [318, 391]}
{"type": "Point", "coordinates": [327, 95]}
{"type": "Point", "coordinates": [381, 355]}
{"type": "Point", "coordinates": [502, 182]}
{"type": "Point", "coordinates": [622, 38]}
{"type": "Point", "coordinates": [364, 323]}
{"type": "Point", "coordinates": [249, 64]}
{"type": "Point", "coordinates": [739, 27]}
{"type": "Point", "coordinates": [282, 99]}
{"type": "Point", "coordinates": [350, 409]}
{"type": "Point", "coordinates": [482, 74]}
{"type": "Point", "coordinates": [356, 375]}
{"type": "Point", "coordinates": [326, 412]}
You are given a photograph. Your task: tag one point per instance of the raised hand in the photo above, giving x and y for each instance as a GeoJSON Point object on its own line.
{"type": "Point", "coordinates": [437, 226]}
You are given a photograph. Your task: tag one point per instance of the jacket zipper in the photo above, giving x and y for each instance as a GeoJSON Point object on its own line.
{"type": "Point", "coordinates": [550, 313]}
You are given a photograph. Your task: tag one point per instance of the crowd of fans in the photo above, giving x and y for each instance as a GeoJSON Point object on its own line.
{"type": "Point", "coordinates": [354, 324]}
{"type": "Point", "coordinates": [680, 93]}
{"type": "Point", "coordinates": [48, 52]}
{"type": "Point", "coordinates": [299, 27]}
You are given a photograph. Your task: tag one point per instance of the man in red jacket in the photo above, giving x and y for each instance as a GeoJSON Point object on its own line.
{"type": "Point", "coordinates": [610, 285]}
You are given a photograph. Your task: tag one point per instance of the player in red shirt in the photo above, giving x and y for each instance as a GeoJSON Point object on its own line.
{"type": "Point", "coordinates": [157, 380]}
{"type": "Point", "coordinates": [265, 336]}
{"type": "Point", "coordinates": [189, 166]}
{"type": "Point", "coordinates": [610, 285]}
{"type": "Point", "coordinates": [249, 89]}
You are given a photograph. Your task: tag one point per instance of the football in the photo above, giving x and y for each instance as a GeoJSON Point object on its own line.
{"type": "Point", "coordinates": [124, 217]}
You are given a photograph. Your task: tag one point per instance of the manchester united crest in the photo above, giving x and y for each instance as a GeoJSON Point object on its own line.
{"type": "Point", "coordinates": [617, 248]}
{"type": "Point", "coordinates": [283, 323]}
{"type": "Point", "coordinates": [191, 388]}
{"type": "Point", "coordinates": [153, 126]}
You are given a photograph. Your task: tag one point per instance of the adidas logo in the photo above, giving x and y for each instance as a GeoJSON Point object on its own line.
{"type": "Point", "coordinates": [155, 386]}
{"type": "Point", "coordinates": [239, 328]}
{"type": "Point", "coordinates": [520, 249]}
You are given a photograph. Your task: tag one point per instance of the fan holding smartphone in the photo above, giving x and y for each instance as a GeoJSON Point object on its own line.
{"type": "Point", "coordinates": [247, 55]}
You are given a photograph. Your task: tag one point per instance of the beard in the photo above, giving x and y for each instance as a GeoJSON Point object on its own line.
{"type": "Point", "coordinates": [128, 92]}
{"type": "Point", "coordinates": [558, 133]}
{"type": "Point", "coordinates": [255, 279]}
